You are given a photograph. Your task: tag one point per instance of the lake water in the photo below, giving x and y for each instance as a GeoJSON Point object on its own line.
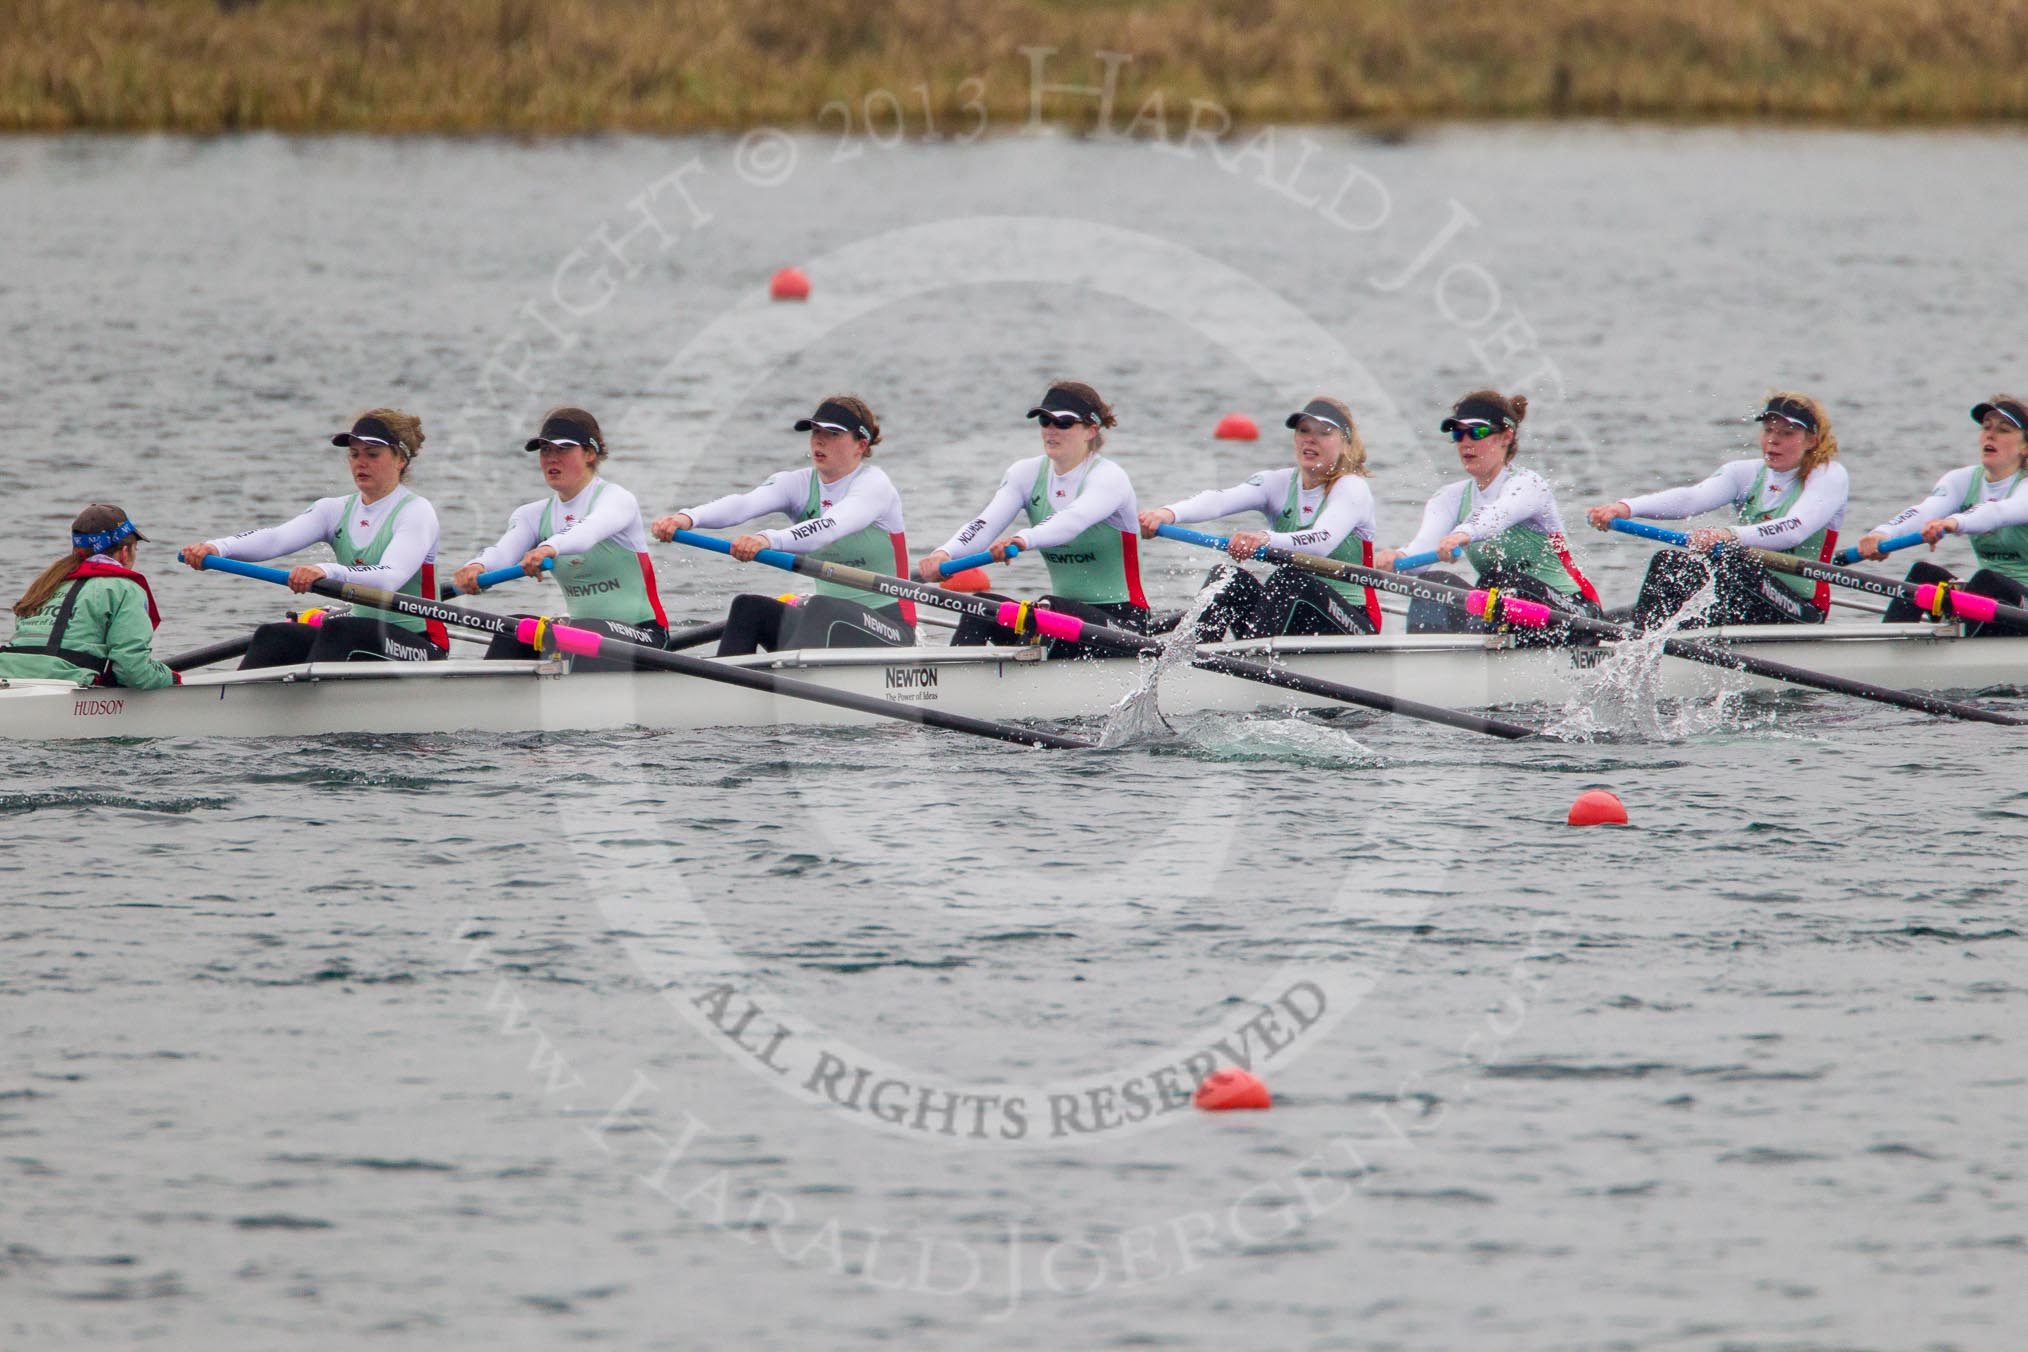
{"type": "Point", "coordinates": [444, 1042]}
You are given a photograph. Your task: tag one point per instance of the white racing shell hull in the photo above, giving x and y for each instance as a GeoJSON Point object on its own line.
{"type": "Point", "coordinates": [1459, 671]}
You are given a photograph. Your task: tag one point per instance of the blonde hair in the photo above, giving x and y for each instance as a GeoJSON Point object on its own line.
{"type": "Point", "coordinates": [1351, 460]}
{"type": "Point", "coordinates": [1515, 409]}
{"type": "Point", "coordinates": [1826, 448]}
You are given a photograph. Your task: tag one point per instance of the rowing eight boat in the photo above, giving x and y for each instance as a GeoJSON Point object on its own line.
{"type": "Point", "coordinates": [1459, 670]}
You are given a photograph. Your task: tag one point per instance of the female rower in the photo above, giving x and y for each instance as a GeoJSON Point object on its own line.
{"type": "Point", "coordinates": [1791, 499]}
{"type": "Point", "coordinates": [90, 617]}
{"type": "Point", "coordinates": [384, 535]}
{"type": "Point", "coordinates": [1081, 517]}
{"type": "Point", "coordinates": [591, 530]}
{"type": "Point", "coordinates": [1982, 501]}
{"type": "Point", "coordinates": [1319, 505]}
{"type": "Point", "coordinates": [840, 509]}
{"type": "Point", "coordinates": [1503, 519]}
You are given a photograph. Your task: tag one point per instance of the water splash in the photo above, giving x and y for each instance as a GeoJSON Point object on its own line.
{"type": "Point", "coordinates": [1137, 718]}
{"type": "Point", "coordinates": [1622, 696]}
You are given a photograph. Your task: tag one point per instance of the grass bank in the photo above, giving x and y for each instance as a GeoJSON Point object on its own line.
{"type": "Point", "coordinates": [545, 66]}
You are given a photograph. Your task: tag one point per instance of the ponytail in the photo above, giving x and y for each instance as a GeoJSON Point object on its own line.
{"type": "Point", "coordinates": [54, 576]}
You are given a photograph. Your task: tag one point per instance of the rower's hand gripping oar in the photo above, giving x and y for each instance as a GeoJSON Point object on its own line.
{"type": "Point", "coordinates": [544, 635]}
{"type": "Point", "coordinates": [950, 567]}
{"type": "Point", "coordinates": [1889, 546]}
{"type": "Point", "coordinates": [1933, 597]}
{"type": "Point", "coordinates": [450, 591]}
{"type": "Point", "coordinates": [1022, 619]}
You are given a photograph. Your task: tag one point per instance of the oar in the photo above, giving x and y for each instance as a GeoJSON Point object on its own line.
{"type": "Point", "coordinates": [209, 653]}
{"type": "Point", "coordinates": [951, 567]}
{"type": "Point", "coordinates": [1710, 654]}
{"type": "Point", "coordinates": [695, 635]}
{"type": "Point", "coordinates": [1933, 597]}
{"type": "Point", "coordinates": [544, 636]}
{"type": "Point", "coordinates": [449, 591]}
{"type": "Point", "coordinates": [1024, 619]}
{"type": "Point", "coordinates": [1889, 546]}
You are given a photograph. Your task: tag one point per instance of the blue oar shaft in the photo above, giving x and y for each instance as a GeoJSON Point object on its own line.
{"type": "Point", "coordinates": [1648, 532]}
{"type": "Point", "coordinates": [779, 558]}
{"type": "Point", "coordinates": [953, 567]}
{"type": "Point", "coordinates": [509, 573]}
{"type": "Point", "coordinates": [1852, 555]}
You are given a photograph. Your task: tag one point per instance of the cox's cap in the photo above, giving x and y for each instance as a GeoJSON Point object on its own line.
{"type": "Point", "coordinates": [1322, 412]}
{"type": "Point", "coordinates": [101, 527]}
{"type": "Point", "coordinates": [567, 427]}
{"type": "Point", "coordinates": [833, 416]}
{"type": "Point", "coordinates": [368, 431]}
{"type": "Point", "coordinates": [2007, 409]}
{"type": "Point", "coordinates": [1476, 413]}
{"type": "Point", "coordinates": [1793, 411]}
{"type": "Point", "coordinates": [1060, 401]}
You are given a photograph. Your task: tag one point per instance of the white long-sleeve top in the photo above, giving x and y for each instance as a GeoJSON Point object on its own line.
{"type": "Point", "coordinates": [1330, 513]}
{"type": "Point", "coordinates": [414, 542]}
{"type": "Point", "coordinates": [577, 525]}
{"type": "Point", "coordinates": [1999, 506]}
{"type": "Point", "coordinates": [1821, 505]}
{"type": "Point", "coordinates": [865, 497]}
{"type": "Point", "coordinates": [1096, 491]}
{"type": "Point", "coordinates": [1518, 497]}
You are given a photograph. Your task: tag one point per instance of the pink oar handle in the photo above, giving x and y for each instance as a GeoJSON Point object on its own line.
{"type": "Point", "coordinates": [1513, 609]}
{"type": "Point", "coordinates": [1049, 623]}
{"type": "Point", "coordinates": [576, 642]}
{"type": "Point", "coordinates": [1967, 604]}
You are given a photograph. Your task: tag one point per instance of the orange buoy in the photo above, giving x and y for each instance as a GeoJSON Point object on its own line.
{"type": "Point", "coordinates": [971, 580]}
{"type": "Point", "coordinates": [1597, 807]}
{"type": "Point", "coordinates": [790, 284]}
{"type": "Point", "coordinates": [1237, 427]}
{"type": "Point", "coordinates": [1231, 1088]}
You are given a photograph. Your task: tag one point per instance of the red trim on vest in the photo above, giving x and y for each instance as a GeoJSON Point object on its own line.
{"type": "Point", "coordinates": [90, 568]}
{"type": "Point", "coordinates": [899, 539]}
{"type": "Point", "coordinates": [434, 629]}
{"type": "Point", "coordinates": [1830, 549]}
{"type": "Point", "coordinates": [1372, 596]}
{"type": "Point", "coordinates": [1584, 587]}
{"type": "Point", "coordinates": [1130, 563]}
{"type": "Point", "coordinates": [648, 577]}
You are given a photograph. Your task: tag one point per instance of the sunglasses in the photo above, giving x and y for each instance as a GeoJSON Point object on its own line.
{"type": "Point", "coordinates": [1060, 421]}
{"type": "Point", "coordinates": [1476, 431]}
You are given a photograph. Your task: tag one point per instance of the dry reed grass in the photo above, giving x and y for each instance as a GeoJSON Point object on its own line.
{"type": "Point", "coordinates": [580, 65]}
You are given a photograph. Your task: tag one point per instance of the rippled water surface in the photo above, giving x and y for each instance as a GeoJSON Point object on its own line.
{"type": "Point", "coordinates": [443, 1041]}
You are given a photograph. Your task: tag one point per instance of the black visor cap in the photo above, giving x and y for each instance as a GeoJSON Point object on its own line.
{"type": "Point", "coordinates": [563, 432]}
{"type": "Point", "coordinates": [370, 428]}
{"type": "Point", "coordinates": [837, 417]}
{"type": "Point", "coordinates": [1061, 400]}
{"type": "Point", "coordinates": [1789, 410]}
{"type": "Point", "coordinates": [1319, 410]}
{"type": "Point", "coordinates": [2007, 409]}
{"type": "Point", "coordinates": [1470, 411]}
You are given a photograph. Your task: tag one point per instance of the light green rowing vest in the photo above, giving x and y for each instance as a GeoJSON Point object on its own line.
{"type": "Point", "coordinates": [1810, 550]}
{"type": "Point", "coordinates": [1351, 549]}
{"type": "Point", "coordinates": [2005, 550]}
{"type": "Point", "coordinates": [352, 555]}
{"type": "Point", "coordinates": [1532, 551]}
{"type": "Point", "coordinates": [605, 582]}
{"type": "Point", "coordinates": [869, 549]}
{"type": "Point", "coordinates": [1092, 565]}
